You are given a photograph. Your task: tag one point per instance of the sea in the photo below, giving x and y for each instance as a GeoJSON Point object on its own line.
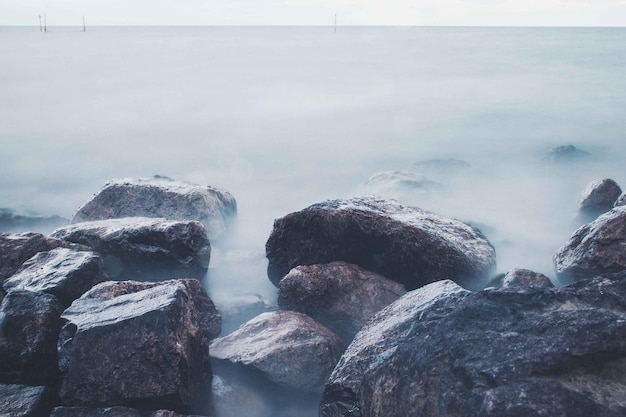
{"type": "Point", "coordinates": [284, 117]}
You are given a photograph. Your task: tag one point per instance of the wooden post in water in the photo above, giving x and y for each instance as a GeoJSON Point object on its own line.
{"type": "Point", "coordinates": [335, 22]}
{"type": "Point", "coordinates": [40, 27]}
{"type": "Point", "coordinates": [45, 23]}
{"type": "Point", "coordinates": [84, 27]}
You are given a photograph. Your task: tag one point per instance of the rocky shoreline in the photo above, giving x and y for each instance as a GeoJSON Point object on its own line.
{"type": "Point", "coordinates": [382, 310]}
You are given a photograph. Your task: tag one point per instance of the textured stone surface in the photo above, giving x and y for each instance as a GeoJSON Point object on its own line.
{"type": "Point", "coordinates": [598, 198]}
{"type": "Point", "coordinates": [410, 246]}
{"type": "Point", "coordinates": [140, 248]}
{"type": "Point", "coordinates": [442, 351]}
{"type": "Point", "coordinates": [339, 295]}
{"type": "Point", "coordinates": [110, 412]}
{"type": "Point", "coordinates": [17, 248]}
{"type": "Point", "coordinates": [26, 401]}
{"type": "Point", "coordinates": [285, 347]}
{"type": "Point", "coordinates": [64, 273]}
{"type": "Point", "coordinates": [29, 329]}
{"type": "Point", "coordinates": [161, 197]}
{"type": "Point", "coordinates": [595, 248]}
{"type": "Point", "coordinates": [525, 278]}
{"type": "Point", "coordinates": [138, 344]}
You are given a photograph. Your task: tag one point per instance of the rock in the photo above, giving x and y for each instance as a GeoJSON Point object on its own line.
{"type": "Point", "coordinates": [338, 295]}
{"type": "Point", "coordinates": [524, 278]}
{"type": "Point", "coordinates": [17, 248]}
{"type": "Point", "coordinates": [161, 197]}
{"type": "Point", "coordinates": [442, 351]}
{"type": "Point", "coordinates": [138, 344]}
{"type": "Point", "coordinates": [598, 198]}
{"type": "Point", "coordinates": [621, 200]}
{"type": "Point", "coordinates": [64, 273]}
{"type": "Point", "coordinates": [29, 329]}
{"type": "Point", "coordinates": [26, 401]}
{"type": "Point", "coordinates": [237, 308]}
{"type": "Point", "coordinates": [566, 154]}
{"type": "Point", "coordinates": [595, 248]}
{"type": "Point", "coordinates": [141, 248]}
{"type": "Point", "coordinates": [399, 180]}
{"type": "Point", "coordinates": [439, 166]}
{"type": "Point", "coordinates": [408, 245]}
{"type": "Point", "coordinates": [287, 348]}
{"type": "Point", "coordinates": [110, 412]}
{"type": "Point", "coordinates": [14, 222]}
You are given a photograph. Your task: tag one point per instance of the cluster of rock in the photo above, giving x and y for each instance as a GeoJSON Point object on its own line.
{"type": "Point", "coordinates": [73, 339]}
{"type": "Point", "coordinates": [347, 336]}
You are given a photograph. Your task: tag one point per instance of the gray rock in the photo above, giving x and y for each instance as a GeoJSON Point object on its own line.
{"type": "Point", "coordinates": [17, 248]}
{"type": "Point", "coordinates": [13, 222]}
{"type": "Point", "coordinates": [595, 248]}
{"type": "Point", "coordinates": [442, 351]}
{"type": "Point", "coordinates": [621, 200]}
{"type": "Point", "coordinates": [408, 245]}
{"type": "Point", "coordinates": [161, 197]}
{"type": "Point", "coordinates": [64, 273]}
{"type": "Point", "coordinates": [566, 154]}
{"type": "Point", "coordinates": [26, 401]}
{"type": "Point", "coordinates": [339, 295]}
{"type": "Point", "coordinates": [525, 278]}
{"type": "Point", "coordinates": [138, 344]}
{"type": "Point", "coordinates": [29, 329]}
{"type": "Point", "coordinates": [110, 412]}
{"type": "Point", "coordinates": [141, 248]}
{"type": "Point", "coordinates": [598, 198]}
{"type": "Point", "coordinates": [401, 181]}
{"type": "Point", "coordinates": [287, 348]}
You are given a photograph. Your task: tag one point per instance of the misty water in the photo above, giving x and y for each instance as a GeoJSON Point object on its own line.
{"type": "Point", "coordinates": [283, 117]}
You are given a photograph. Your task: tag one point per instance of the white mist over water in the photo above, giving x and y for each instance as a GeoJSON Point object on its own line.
{"type": "Point", "coordinates": [283, 117]}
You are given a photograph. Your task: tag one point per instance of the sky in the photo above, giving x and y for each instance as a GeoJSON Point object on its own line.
{"type": "Point", "coordinates": [317, 12]}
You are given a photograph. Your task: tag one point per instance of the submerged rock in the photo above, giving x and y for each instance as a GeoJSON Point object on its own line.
{"type": "Point", "coordinates": [595, 248]}
{"type": "Point", "coordinates": [408, 245]}
{"type": "Point", "coordinates": [29, 330]}
{"type": "Point", "coordinates": [286, 348]}
{"type": "Point", "coordinates": [64, 273]}
{"type": "Point", "coordinates": [439, 166]}
{"type": "Point", "coordinates": [161, 197]}
{"type": "Point", "coordinates": [13, 222]}
{"type": "Point", "coordinates": [26, 401]}
{"type": "Point", "coordinates": [442, 351]}
{"type": "Point", "coordinates": [17, 248]}
{"type": "Point", "coordinates": [525, 278]}
{"type": "Point", "coordinates": [138, 344]}
{"type": "Point", "coordinates": [566, 153]}
{"type": "Point", "coordinates": [339, 295]}
{"type": "Point", "coordinates": [142, 248]}
{"type": "Point", "coordinates": [598, 198]}
{"type": "Point", "coordinates": [401, 181]}
{"type": "Point", "coordinates": [110, 412]}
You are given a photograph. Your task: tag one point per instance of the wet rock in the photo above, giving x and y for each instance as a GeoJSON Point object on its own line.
{"type": "Point", "coordinates": [138, 344]}
{"type": "Point", "coordinates": [595, 248]}
{"type": "Point", "coordinates": [566, 154]}
{"type": "Point", "coordinates": [141, 248]}
{"type": "Point", "coordinates": [338, 295]}
{"type": "Point", "coordinates": [598, 198]}
{"type": "Point", "coordinates": [29, 329]}
{"type": "Point", "coordinates": [161, 197]}
{"type": "Point", "coordinates": [110, 412]}
{"type": "Point", "coordinates": [64, 273]}
{"type": "Point", "coordinates": [525, 278]}
{"type": "Point", "coordinates": [26, 401]}
{"type": "Point", "coordinates": [408, 245]}
{"type": "Point", "coordinates": [288, 349]}
{"type": "Point", "coordinates": [13, 222]}
{"type": "Point", "coordinates": [440, 350]}
{"type": "Point", "coordinates": [17, 248]}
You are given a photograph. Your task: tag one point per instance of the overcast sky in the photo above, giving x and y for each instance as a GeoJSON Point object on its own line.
{"type": "Point", "coordinates": [317, 12]}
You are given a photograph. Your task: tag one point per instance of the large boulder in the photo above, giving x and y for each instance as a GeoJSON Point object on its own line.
{"type": "Point", "coordinates": [442, 351]}
{"type": "Point", "coordinates": [110, 412]}
{"type": "Point", "coordinates": [64, 273]}
{"type": "Point", "coordinates": [141, 248]}
{"type": "Point", "coordinates": [161, 197]}
{"type": "Point", "coordinates": [286, 348]}
{"type": "Point", "coordinates": [138, 344]}
{"type": "Point", "coordinates": [409, 245]}
{"type": "Point", "coordinates": [26, 401]}
{"type": "Point", "coordinates": [339, 295]}
{"type": "Point", "coordinates": [595, 248]}
{"type": "Point", "coordinates": [29, 330]}
{"type": "Point", "coordinates": [598, 198]}
{"type": "Point", "coordinates": [17, 248]}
